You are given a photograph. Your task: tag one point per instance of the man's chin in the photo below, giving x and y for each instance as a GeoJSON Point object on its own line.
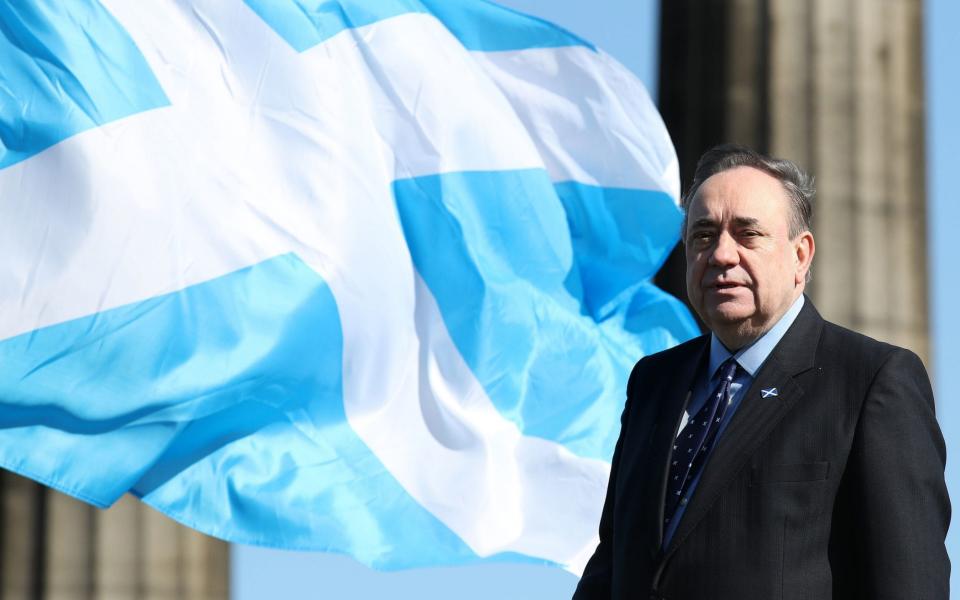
{"type": "Point", "coordinates": [729, 313]}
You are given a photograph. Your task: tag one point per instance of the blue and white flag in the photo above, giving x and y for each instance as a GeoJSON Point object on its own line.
{"type": "Point", "coordinates": [359, 276]}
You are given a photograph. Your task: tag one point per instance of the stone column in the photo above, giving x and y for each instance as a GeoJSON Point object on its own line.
{"type": "Point", "coordinates": [162, 551]}
{"type": "Point", "coordinates": [53, 547]}
{"type": "Point", "coordinates": [119, 565]}
{"type": "Point", "coordinates": [68, 554]}
{"type": "Point", "coordinates": [22, 531]}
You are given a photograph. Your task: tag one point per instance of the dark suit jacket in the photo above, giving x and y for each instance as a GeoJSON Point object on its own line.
{"type": "Point", "coordinates": [832, 489]}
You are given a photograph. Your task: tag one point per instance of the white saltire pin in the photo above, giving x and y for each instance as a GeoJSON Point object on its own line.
{"type": "Point", "coordinates": [769, 393]}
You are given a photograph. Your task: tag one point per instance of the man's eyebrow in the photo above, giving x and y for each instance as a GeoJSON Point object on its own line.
{"type": "Point", "coordinates": [703, 222]}
{"type": "Point", "coordinates": [746, 222]}
{"type": "Point", "coordinates": [738, 221]}
{"type": "Point", "coordinates": [709, 223]}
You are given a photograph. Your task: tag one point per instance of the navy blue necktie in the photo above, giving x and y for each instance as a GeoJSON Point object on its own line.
{"type": "Point", "coordinates": [693, 444]}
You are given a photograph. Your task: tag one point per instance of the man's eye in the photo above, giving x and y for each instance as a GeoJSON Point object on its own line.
{"type": "Point", "coordinates": [701, 236]}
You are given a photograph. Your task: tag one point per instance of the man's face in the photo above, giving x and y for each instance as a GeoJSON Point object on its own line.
{"type": "Point", "coordinates": [743, 269]}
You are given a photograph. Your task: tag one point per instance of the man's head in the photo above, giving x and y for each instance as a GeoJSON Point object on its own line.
{"type": "Point", "coordinates": [748, 241]}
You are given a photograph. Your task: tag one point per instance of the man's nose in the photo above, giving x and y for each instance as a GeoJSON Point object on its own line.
{"type": "Point", "coordinates": [725, 251]}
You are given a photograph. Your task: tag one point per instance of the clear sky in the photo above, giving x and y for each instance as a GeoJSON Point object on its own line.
{"type": "Point", "coordinates": [943, 218]}
{"type": "Point", "coordinates": [627, 29]}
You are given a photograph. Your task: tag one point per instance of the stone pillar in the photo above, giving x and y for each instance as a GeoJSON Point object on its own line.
{"type": "Point", "coordinates": [119, 565]}
{"type": "Point", "coordinates": [206, 567]}
{"type": "Point", "coordinates": [835, 85]}
{"type": "Point", "coordinates": [162, 551]}
{"type": "Point", "coordinates": [68, 554]}
{"type": "Point", "coordinates": [53, 547]}
{"type": "Point", "coordinates": [22, 533]}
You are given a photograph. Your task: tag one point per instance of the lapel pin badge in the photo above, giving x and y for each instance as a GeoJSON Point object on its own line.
{"type": "Point", "coordinates": [769, 393]}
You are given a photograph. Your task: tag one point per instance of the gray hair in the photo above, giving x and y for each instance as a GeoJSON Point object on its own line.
{"type": "Point", "coordinates": [795, 181]}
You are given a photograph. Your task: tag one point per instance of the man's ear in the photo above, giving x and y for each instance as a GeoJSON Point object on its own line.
{"type": "Point", "coordinates": [804, 249]}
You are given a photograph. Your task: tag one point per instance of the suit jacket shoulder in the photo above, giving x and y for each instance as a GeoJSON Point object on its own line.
{"type": "Point", "coordinates": [856, 352]}
{"type": "Point", "coordinates": [649, 372]}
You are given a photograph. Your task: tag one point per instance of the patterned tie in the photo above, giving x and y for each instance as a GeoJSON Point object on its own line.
{"type": "Point", "coordinates": [693, 444]}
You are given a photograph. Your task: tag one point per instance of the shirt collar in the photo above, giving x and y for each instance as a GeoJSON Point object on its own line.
{"type": "Point", "coordinates": [751, 357]}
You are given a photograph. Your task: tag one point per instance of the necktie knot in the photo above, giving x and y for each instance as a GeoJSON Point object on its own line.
{"type": "Point", "coordinates": [728, 369]}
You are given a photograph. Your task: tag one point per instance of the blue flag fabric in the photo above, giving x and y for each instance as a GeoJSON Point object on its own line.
{"type": "Point", "coordinates": [355, 276]}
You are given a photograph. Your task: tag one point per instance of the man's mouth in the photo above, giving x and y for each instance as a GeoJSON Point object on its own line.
{"type": "Point", "coordinates": [725, 286]}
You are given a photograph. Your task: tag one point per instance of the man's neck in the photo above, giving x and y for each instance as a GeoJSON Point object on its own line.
{"type": "Point", "coordinates": [743, 334]}
{"type": "Point", "coordinates": [752, 354]}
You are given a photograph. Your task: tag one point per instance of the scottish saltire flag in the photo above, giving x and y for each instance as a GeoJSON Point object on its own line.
{"type": "Point", "coordinates": [359, 276]}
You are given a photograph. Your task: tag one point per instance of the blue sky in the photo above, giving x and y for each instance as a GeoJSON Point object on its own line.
{"type": "Point", "coordinates": [627, 29]}
{"type": "Point", "coordinates": [943, 218]}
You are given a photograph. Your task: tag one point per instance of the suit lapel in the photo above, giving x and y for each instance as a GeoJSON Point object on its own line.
{"type": "Point", "coordinates": [755, 418]}
{"type": "Point", "coordinates": [672, 400]}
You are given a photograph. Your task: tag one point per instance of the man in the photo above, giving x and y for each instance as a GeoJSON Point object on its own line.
{"type": "Point", "coordinates": [780, 456]}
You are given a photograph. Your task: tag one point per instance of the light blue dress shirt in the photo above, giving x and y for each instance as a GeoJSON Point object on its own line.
{"type": "Point", "coordinates": [750, 358]}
